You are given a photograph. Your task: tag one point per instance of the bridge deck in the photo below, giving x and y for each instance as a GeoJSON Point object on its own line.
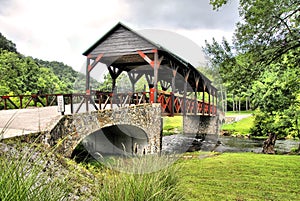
{"type": "Point", "coordinates": [25, 121]}
{"type": "Point", "coordinates": [171, 104]}
{"type": "Point", "coordinates": [16, 122]}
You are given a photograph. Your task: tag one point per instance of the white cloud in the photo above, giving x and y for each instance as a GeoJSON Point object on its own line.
{"type": "Point", "coordinates": [58, 30]}
{"type": "Point", "coordinates": [62, 29]}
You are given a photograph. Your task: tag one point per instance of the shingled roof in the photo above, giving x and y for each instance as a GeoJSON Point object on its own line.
{"type": "Point", "coordinates": [119, 47]}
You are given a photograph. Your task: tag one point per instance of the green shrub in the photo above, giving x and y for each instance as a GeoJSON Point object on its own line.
{"type": "Point", "coordinates": [138, 185]}
{"type": "Point", "coordinates": [23, 177]}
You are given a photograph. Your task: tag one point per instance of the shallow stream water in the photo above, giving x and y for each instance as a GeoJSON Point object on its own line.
{"type": "Point", "coordinates": [181, 143]}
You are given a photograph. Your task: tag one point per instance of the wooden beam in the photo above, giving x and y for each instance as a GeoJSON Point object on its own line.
{"type": "Point", "coordinates": [149, 79]}
{"type": "Point", "coordinates": [134, 77]}
{"type": "Point", "coordinates": [165, 85]}
{"type": "Point", "coordinates": [150, 61]}
{"type": "Point", "coordinates": [114, 73]}
{"type": "Point", "coordinates": [91, 66]}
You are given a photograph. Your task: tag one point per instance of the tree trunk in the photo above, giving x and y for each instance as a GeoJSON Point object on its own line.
{"type": "Point", "coordinates": [239, 104]}
{"type": "Point", "coordinates": [233, 106]}
{"type": "Point", "coordinates": [268, 147]}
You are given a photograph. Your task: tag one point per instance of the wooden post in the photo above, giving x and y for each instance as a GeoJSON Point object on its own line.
{"type": "Point", "coordinates": [5, 104]}
{"type": "Point", "coordinates": [47, 101]}
{"type": "Point", "coordinates": [152, 95]}
{"type": "Point", "coordinates": [155, 74]}
{"type": "Point", "coordinates": [209, 104]}
{"type": "Point", "coordinates": [87, 84]}
{"type": "Point", "coordinates": [213, 101]}
{"type": "Point", "coordinates": [114, 73]}
{"type": "Point", "coordinates": [184, 98]}
{"type": "Point", "coordinates": [134, 78]}
{"type": "Point", "coordinates": [173, 90]}
{"type": "Point", "coordinates": [216, 112]}
{"type": "Point", "coordinates": [185, 92]}
{"type": "Point", "coordinates": [21, 102]}
{"type": "Point", "coordinates": [203, 99]}
{"type": "Point", "coordinates": [196, 98]}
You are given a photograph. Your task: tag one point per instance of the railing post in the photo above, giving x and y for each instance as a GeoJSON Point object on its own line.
{"type": "Point", "coordinates": [21, 102]}
{"type": "Point", "coordinates": [209, 104]}
{"type": "Point", "coordinates": [203, 100]}
{"type": "Point", "coordinates": [71, 103]}
{"type": "Point", "coordinates": [47, 102]}
{"type": "Point", "coordinates": [99, 100]}
{"type": "Point", "coordinates": [213, 102]}
{"type": "Point", "coordinates": [172, 104]}
{"type": "Point", "coordinates": [34, 100]}
{"type": "Point", "coordinates": [5, 103]}
{"type": "Point", "coordinates": [152, 95]}
{"type": "Point", "coordinates": [216, 106]}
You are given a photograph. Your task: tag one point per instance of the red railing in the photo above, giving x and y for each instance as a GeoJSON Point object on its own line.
{"type": "Point", "coordinates": [171, 104]}
{"type": "Point", "coordinates": [105, 99]}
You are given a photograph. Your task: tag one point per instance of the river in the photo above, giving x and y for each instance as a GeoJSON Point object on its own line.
{"type": "Point", "coordinates": [181, 143]}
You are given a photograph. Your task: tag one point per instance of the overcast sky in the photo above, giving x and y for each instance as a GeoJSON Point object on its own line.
{"type": "Point", "coordinates": [62, 30]}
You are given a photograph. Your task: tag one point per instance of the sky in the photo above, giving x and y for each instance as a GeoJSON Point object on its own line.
{"type": "Point", "coordinates": [62, 30]}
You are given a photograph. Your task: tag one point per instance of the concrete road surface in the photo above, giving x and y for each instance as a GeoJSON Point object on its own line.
{"type": "Point", "coordinates": [24, 121]}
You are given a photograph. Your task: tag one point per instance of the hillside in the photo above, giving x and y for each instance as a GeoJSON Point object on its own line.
{"type": "Point", "coordinates": [24, 74]}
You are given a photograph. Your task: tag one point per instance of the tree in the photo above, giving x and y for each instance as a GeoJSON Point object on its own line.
{"type": "Point", "coordinates": [233, 69]}
{"type": "Point", "coordinates": [20, 75]}
{"type": "Point", "coordinates": [276, 94]}
{"type": "Point", "coordinates": [268, 28]}
{"type": "Point", "coordinates": [7, 44]}
{"type": "Point", "coordinates": [266, 54]}
{"type": "Point", "coordinates": [11, 68]}
{"type": "Point", "coordinates": [49, 83]}
{"type": "Point", "coordinates": [73, 80]}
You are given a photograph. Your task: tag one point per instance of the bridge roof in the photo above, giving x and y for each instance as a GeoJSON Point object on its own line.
{"type": "Point", "coordinates": [120, 47]}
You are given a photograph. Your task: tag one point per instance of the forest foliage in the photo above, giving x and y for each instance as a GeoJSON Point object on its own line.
{"type": "Point", "coordinates": [26, 75]}
{"type": "Point", "coordinates": [263, 63]}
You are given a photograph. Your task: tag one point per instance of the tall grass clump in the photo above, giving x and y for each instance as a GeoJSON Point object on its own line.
{"type": "Point", "coordinates": [139, 185]}
{"type": "Point", "coordinates": [23, 177]}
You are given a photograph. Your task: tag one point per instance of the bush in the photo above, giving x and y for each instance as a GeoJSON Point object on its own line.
{"type": "Point", "coordinates": [139, 186]}
{"type": "Point", "coordinates": [23, 177]}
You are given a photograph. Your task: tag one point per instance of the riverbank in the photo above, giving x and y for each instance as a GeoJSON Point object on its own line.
{"type": "Point", "coordinates": [194, 176]}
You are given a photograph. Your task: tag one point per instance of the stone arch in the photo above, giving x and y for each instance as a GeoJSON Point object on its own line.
{"type": "Point", "coordinates": [117, 139]}
{"type": "Point", "coordinates": [145, 117]}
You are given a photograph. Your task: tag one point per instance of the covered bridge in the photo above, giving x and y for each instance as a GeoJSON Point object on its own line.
{"type": "Point", "coordinates": [172, 81]}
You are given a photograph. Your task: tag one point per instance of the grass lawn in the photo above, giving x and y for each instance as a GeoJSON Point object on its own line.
{"type": "Point", "coordinates": [240, 176]}
{"type": "Point", "coordinates": [172, 125]}
{"type": "Point", "coordinates": [240, 127]}
{"type": "Point", "coordinates": [237, 113]}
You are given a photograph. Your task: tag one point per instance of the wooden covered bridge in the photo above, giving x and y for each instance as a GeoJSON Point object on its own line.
{"type": "Point", "coordinates": [174, 83]}
{"type": "Point", "coordinates": [171, 81]}
{"type": "Point", "coordinates": [172, 86]}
